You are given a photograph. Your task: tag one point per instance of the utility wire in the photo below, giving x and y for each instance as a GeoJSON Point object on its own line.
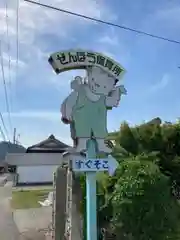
{"type": "Point", "coordinates": [2, 134]}
{"type": "Point", "coordinates": [17, 42]}
{"type": "Point", "coordinates": [9, 61]}
{"type": "Point", "coordinates": [17, 39]}
{"type": "Point", "coordinates": [105, 22]}
{"type": "Point", "coordinates": [6, 95]}
{"type": "Point", "coordinates": [8, 41]}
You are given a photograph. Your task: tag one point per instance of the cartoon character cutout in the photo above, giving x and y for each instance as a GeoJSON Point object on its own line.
{"type": "Point", "coordinates": [85, 109]}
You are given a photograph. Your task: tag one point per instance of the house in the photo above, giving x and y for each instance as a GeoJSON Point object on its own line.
{"type": "Point", "coordinates": [40, 161]}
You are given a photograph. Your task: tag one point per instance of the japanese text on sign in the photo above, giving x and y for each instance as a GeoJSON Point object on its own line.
{"type": "Point", "coordinates": [95, 164]}
{"type": "Point", "coordinates": [62, 61]}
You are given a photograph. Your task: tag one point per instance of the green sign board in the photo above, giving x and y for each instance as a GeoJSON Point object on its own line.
{"type": "Point", "coordinates": [85, 109]}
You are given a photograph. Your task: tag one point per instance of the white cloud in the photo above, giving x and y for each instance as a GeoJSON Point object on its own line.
{"type": "Point", "coordinates": [110, 37]}
{"type": "Point", "coordinates": [170, 15]}
{"type": "Point", "coordinates": [163, 83]}
{"type": "Point", "coordinates": [34, 19]}
{"type": "Point", "coordinates": [33, 138]}
{"type": "Point", "coordinates": [12, 60]}
{"type": "Point", "coordinates": [38, 26]}
{"type": "Point", "coordinates": [10, 67]}
{"type": "Point", "coordinates": [41, 115]}
{"type": "Point", "coordinates": [36, 126]}
{"type": "Point", "coordinates": [165, 21]}
{"type": "Point", "coordinates": [111, 40]}
{"type": "Point", "coordinates": [36, 22]}
{"type": "Point", "coordinates": [112, 44]}
{"type": "Point", "coordinates": [39, 19]}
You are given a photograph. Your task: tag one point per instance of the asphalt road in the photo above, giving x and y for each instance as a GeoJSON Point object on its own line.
{"type": "Point", "coordinates": [8, 229]}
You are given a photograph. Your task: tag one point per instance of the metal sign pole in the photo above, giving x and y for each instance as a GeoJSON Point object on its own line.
{"type": "Point", "coordinates": [91, 207]}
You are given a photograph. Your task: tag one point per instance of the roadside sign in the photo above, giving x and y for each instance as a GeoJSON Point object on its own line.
{"type": "Point", "coordinates": [85, 110]}
{"type": "Point", "coordinates": [95, 165]}
{"type": "Point", "coordinates": [80, 59]}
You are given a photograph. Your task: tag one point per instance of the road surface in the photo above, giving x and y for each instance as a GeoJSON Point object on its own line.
{"type": "Point", "coordinates": [8, 229]}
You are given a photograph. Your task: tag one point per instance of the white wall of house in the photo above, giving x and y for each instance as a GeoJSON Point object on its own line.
{"type": "Point", "coordinates": [32, 159]}
{"type": "Point", "coordinates": [38, 167]}
{"type": "Point", "coordinates": [36, 174]}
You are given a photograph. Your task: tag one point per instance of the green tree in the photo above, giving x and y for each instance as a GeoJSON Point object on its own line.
{"type": "Point", "coordinates": [149, 137]}
{"type": "Point", "coordinates": [126, 139]}
{"type": "Point", "coordinates": [138, 200]}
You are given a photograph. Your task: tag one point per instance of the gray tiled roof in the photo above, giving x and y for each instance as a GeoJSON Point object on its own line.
{"type": "Point", "coordinates": [50, 144]}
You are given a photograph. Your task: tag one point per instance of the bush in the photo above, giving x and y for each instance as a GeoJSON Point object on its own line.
{"type": "Point", "coordinates": [143, 208]}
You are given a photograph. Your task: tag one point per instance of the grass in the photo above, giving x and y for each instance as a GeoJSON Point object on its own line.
{"type": "Point", "coordinates": [24, 199]}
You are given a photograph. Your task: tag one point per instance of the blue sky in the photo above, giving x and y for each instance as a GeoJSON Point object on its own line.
{"type": "Point", "coordinates": [152, 77]}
